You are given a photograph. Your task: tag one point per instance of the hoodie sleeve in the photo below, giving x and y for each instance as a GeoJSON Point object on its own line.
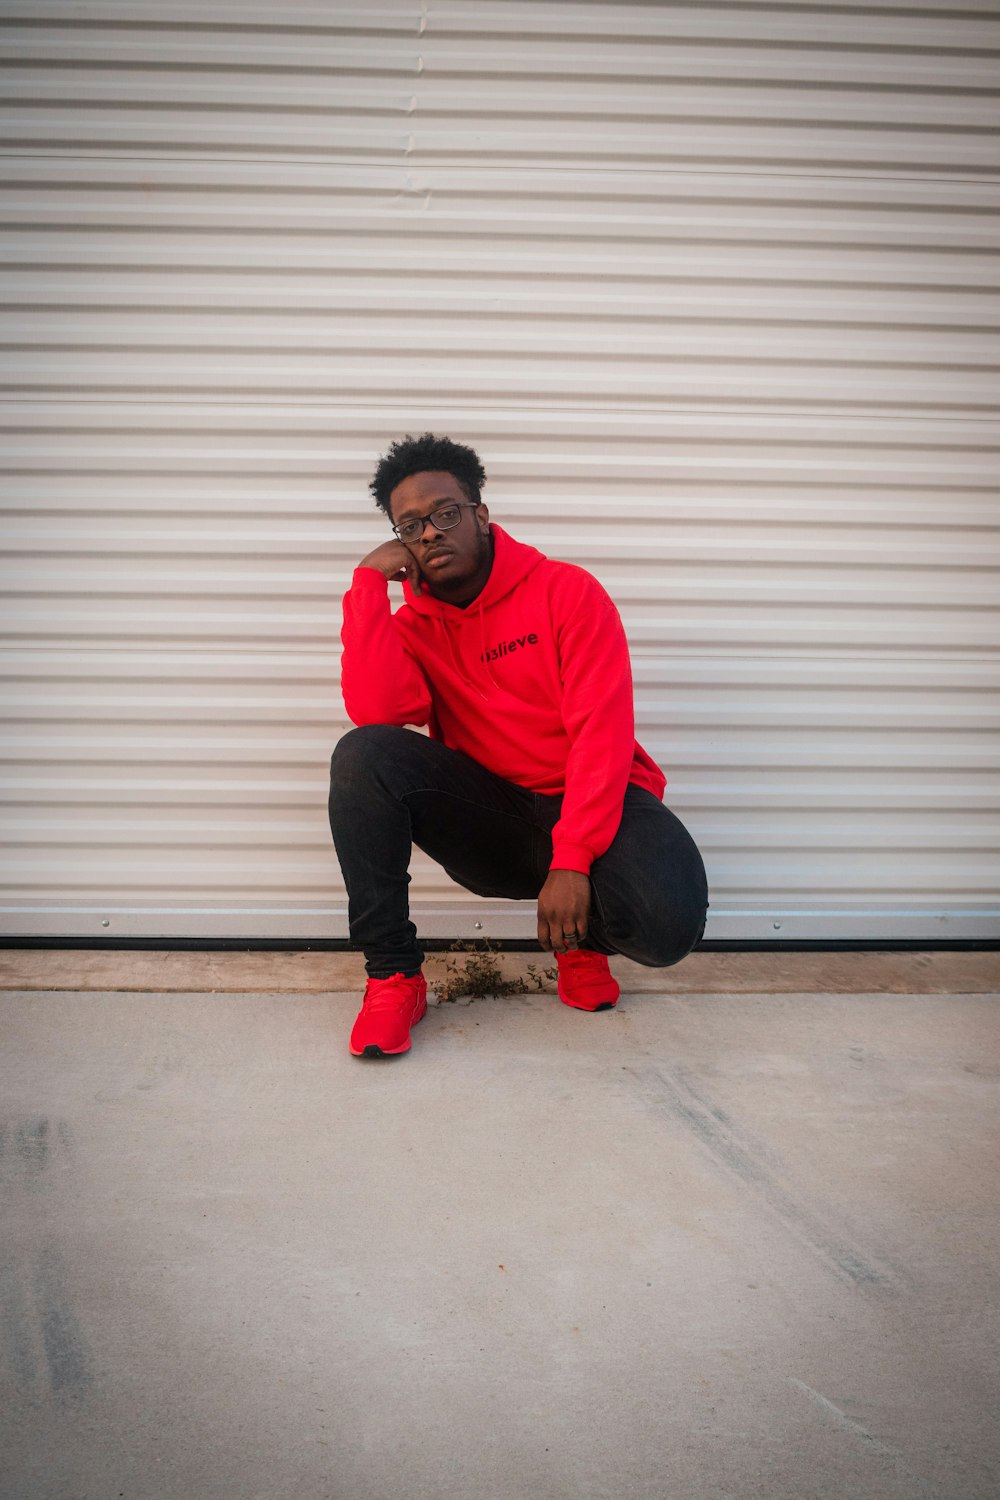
{"type": "Point", "coordinates": [599, 717]}
{"type": "Point", "coordinates": [381, 682]}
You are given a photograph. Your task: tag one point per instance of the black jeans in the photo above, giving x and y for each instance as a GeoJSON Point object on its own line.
{"type": "Point", "coordinates": [391, 788]}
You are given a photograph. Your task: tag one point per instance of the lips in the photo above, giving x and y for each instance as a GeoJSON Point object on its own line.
{"type": "Point", "coordinates": [438, 552]}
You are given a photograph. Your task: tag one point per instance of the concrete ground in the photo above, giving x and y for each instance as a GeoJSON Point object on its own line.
{"type": "Point", "coordinates": [709, 1244]}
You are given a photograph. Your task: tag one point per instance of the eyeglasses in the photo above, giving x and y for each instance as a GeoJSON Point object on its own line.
{"type": "Point", "coordinates": [442, 520]}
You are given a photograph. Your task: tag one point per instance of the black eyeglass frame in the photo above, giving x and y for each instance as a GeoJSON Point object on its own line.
{"type": "Point", "coordinates": [458, 505]}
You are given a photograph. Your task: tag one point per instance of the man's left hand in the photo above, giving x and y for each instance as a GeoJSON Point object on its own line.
{"type": "Point", "coordinates": [563, 910]}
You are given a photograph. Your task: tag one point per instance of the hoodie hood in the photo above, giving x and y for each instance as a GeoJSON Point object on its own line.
{"type": "Point", "coordinates": [512, 562]}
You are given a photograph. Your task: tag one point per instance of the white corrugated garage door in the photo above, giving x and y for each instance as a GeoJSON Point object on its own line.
{"type": "Point", "coordinates": [713, 289]}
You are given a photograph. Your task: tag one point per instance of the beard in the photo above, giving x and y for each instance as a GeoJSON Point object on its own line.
{"type": "Point", "coordinates": [465, 589]}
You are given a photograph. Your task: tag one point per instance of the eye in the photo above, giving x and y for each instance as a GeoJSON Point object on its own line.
{"type": "Point", "coordinates": [447, 516]}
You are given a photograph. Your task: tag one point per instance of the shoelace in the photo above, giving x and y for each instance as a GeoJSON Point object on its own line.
{"type": "Point", "coordinates": [583, 958]}
{"type": "Point", "coordinates": [586, 966]}
{"type": "Point", "coordinates": [390, 994]}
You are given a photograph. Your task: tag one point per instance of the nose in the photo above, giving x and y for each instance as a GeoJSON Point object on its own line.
{"type": "Point", "coordinates": [428, 520]}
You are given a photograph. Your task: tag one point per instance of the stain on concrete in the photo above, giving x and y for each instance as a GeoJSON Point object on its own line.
{"type": "Point", "coordinates": [32, 1143]}
{"type": "Point", "coordinates": [40, 1333]}
{"type": "Point", "coordinates": [731, 1148]}
{"type": "Point", "coordinates": [16, 1324]}
{"type": "Point", "coordinates": [158, 1070]}
{"type": "Point", "coordinates": [39, 1330]}
{"type": "Point", "coordinates": [878, 1450]}
{"type": "Point", "coordinates": [65, 1349]}
{"type": "Point", "coordinates": [28, 1147]}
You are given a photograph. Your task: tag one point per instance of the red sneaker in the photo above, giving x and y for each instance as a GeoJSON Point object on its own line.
{"type": "Point", "coordinates": [389, 1009]}
{"type": "Point", "coordinates": [585, 980]}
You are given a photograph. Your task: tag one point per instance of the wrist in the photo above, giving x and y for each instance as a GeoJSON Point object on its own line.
{"type": "Point", "coordinates": [572, 857]}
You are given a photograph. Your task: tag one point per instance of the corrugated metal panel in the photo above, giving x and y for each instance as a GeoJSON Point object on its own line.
{"type": "Point", "coordinates": [714, 290]}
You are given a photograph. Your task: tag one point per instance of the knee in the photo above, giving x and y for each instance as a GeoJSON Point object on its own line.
{"type": "Point", "coordinates": [360, 751]}
{"type": "Point", "coordinates": [666, 943]}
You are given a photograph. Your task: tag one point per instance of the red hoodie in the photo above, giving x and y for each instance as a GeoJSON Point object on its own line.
{"type": "Point", "coordinates": [532, 680]}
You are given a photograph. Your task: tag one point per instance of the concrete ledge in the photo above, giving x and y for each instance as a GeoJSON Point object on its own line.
{"type": "Point", "coordinates": [927, 973]}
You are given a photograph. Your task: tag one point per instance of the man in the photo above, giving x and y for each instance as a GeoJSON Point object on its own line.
{"type": "Point", "coordinates": [531, 784]}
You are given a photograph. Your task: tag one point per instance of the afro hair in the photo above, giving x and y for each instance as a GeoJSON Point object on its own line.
{"type": "Point", "coordinates": [410, 455]}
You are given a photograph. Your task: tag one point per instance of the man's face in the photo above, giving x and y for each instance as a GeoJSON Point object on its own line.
{"type": "Point", "coordinates": [454, 564]}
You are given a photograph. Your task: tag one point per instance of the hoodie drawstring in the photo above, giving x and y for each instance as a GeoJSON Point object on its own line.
{"type": "Point", "coordinates": [456, 659]}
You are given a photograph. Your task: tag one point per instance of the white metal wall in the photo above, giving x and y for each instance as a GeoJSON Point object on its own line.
{"type": "Point", "coordinates": [713, 289]}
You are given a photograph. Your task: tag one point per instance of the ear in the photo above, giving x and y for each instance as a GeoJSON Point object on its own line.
{"type": "Point", "coordinates": [483, 517]}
